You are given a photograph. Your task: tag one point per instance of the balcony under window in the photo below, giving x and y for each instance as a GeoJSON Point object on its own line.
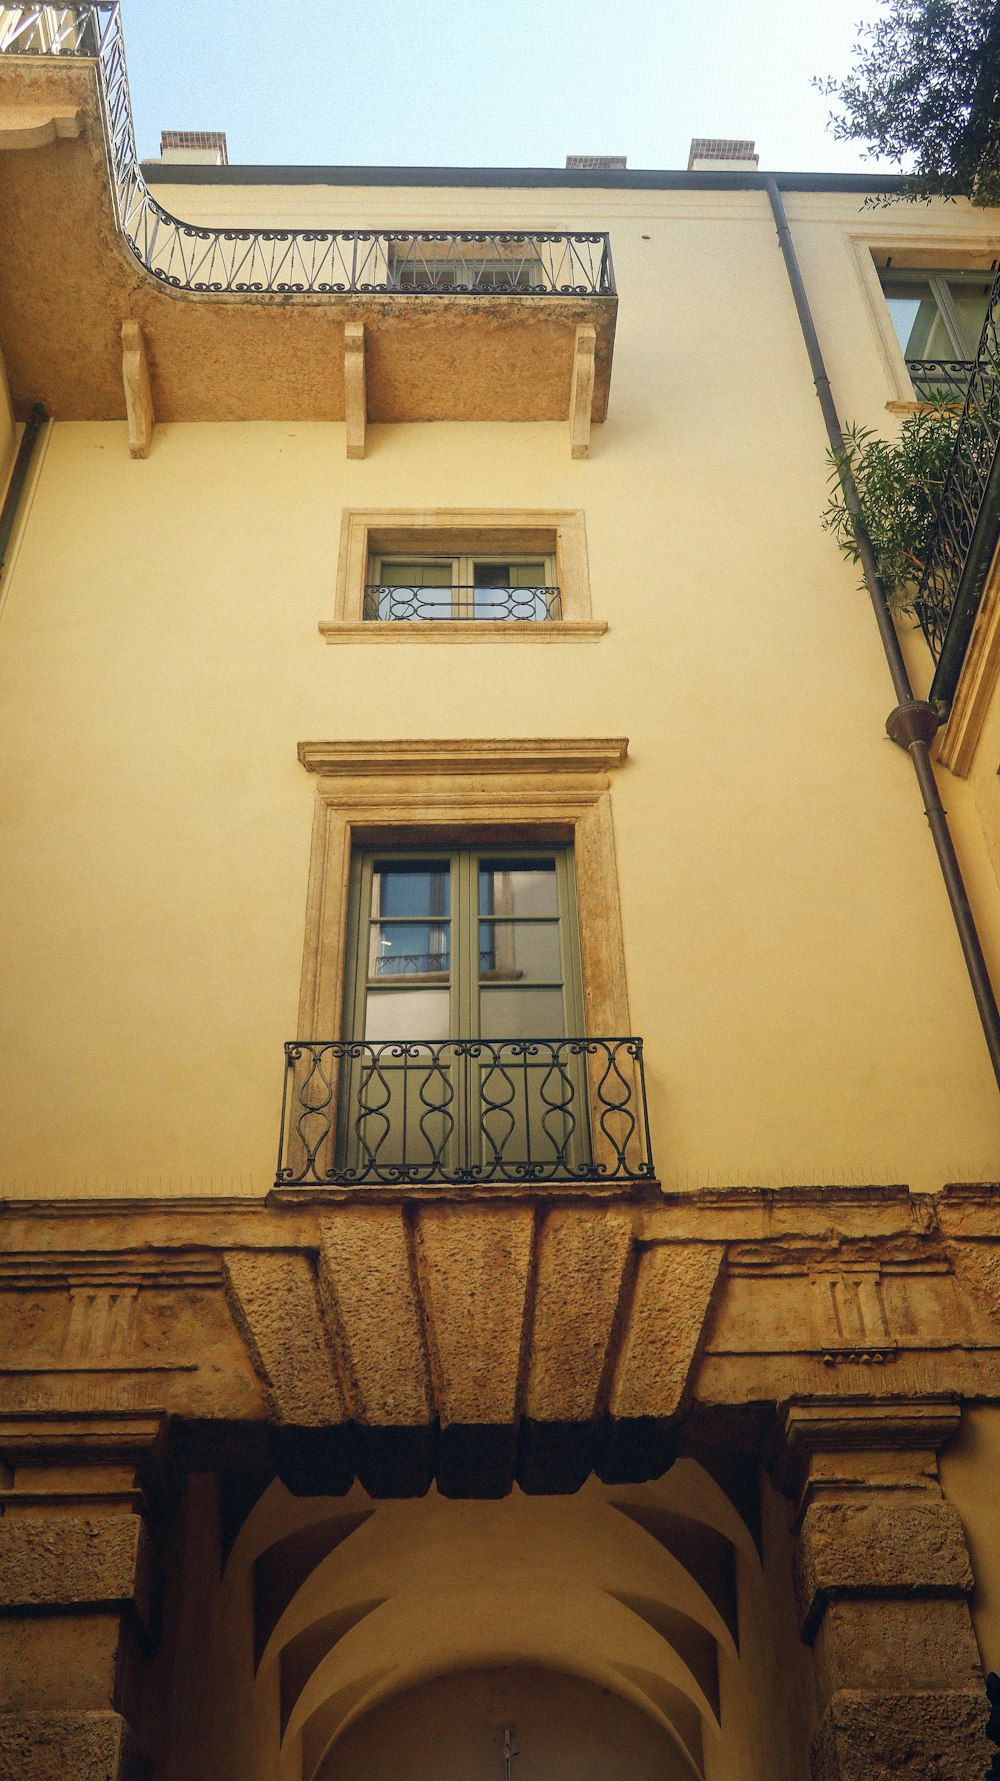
{"type": "Point", "coordinates": [235, 323]}
{"type": "Point", "coordinates": [459, 1063]}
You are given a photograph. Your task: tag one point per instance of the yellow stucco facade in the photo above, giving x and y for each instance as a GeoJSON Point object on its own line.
{"type": "Point", "coordinates": [670, 1471]}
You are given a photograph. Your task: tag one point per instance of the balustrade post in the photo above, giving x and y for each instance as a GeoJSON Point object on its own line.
{"type": "Point", "coordinates": [75, 1621]}
{"type": "Point", "coordinates": [882, 1584]}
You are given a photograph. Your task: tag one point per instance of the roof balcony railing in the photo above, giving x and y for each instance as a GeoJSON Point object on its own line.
{"type": "Point", "coordinates": [422, 1112]}
{"type": "Point", "coordinates": [316, 262]}
{"type": "Point", "coordinates": [968, 524]}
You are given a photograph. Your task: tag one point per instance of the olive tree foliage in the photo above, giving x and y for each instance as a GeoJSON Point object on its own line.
{"type": "Point", "coordinates": [897, 483]}
{"type": "Point", "coordinates": [925, 92]}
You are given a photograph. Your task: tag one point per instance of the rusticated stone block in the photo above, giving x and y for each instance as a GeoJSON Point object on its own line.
{"type": "Point", "coordinates": [274, 1300]}
{"type": "Point", "coordinates": [877, 1643]}
{"type": "Point", "coordinates": [673, 1289]}
{"type": "Point", "coordinates": [56, 1746]}
{"type": "Point", "coordinates": [879, 1546]}
{"type": "Point", "coordinates": [902, 1737]}
{"type": "Point", "coordinates": [73, 1561]}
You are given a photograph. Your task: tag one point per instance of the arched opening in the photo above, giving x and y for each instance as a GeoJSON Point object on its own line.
{"type": "Point", "coordinates": [602, 1634]}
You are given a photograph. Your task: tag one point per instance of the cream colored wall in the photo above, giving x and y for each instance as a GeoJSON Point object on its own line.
{"type": "Point", "coordinates": [791, 962]}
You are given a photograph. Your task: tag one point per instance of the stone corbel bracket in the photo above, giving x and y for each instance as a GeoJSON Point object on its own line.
{"type": "Point", "coordinates": [355, 391]}
{"type": "Point", "coordinates": [138, 394]}
{"type": "Point", "coordinates": [581, 399]}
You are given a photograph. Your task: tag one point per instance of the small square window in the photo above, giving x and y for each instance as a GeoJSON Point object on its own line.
{"type": "Point", "coordinates": [462, 575]}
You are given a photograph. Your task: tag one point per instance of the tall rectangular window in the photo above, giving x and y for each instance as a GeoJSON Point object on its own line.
{"type": "Point", "coordinates": [464, 1009]}
{"type": "Point", "coordinates": [464, 945]}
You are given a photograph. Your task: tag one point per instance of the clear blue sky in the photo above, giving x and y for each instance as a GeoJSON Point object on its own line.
{"type": "Point", "coordinates": [512, 83]}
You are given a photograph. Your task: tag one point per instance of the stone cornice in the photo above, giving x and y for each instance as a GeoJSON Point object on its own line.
{"type": "Point", "coordinates": [427, 757]}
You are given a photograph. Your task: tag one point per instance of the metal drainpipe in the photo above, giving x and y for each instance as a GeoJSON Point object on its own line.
{"type": "Point", "coordinates": [19, 475]}
{"type": "Point", "coordinates": [913, 723]}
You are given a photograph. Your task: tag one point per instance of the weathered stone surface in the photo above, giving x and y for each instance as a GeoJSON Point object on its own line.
{"type": "Point", "coordinates": [367, 1285]}
{"type": "Point", "coordinates": [68, 1747]}
{"type": "Point", "coordinates": [59, 1659]}
{"type": "Point", "coordinates": [274, 1301]}
{"type": "Point", "coordinates": [879, 1545]}
{"type": "Point", "coordinates": [73, 1560]}
{"type": "Point", "coordinates": [581, 1261]}
{"type": "Point", "coordinates": [901, 1737]}
{"type": "Point", "coordinates": [475, 1263]}
{"type": "Point", "coordinates": [670, 1303]}
{"type": "Point", "coordinates": [923, 1643]}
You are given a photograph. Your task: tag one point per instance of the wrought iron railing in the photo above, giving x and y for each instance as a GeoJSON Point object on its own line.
{"type": "Point", "coordinates": [934, 379]}
{"type": "Point", "coordinates": [401, 1112]}
{"type": "Point", "coordinates": [511, 603]}
{"type": "Point", "coordinates": [317, 262]}
{"type": "Point", "coordinates": [946, 619]}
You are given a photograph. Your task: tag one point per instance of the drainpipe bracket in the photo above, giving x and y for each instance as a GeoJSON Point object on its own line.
{"type": "Point", "coordinates": [913, 720]}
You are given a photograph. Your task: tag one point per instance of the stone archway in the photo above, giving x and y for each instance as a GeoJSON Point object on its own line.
{"type": "Point", "coordinates": [366, 1612]}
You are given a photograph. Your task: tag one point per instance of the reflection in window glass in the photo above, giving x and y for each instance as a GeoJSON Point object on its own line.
{"type": "Point", "coordinates": [407, 1014]}
{"type": "Point", "coordinates": [518, 888]}
{"type": "Point", "coordinates": [526, 950]}
{"type": "Point", "coordinates": [521, 1014]}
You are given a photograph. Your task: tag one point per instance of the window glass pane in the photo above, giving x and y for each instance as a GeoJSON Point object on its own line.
{"type": "Point", "coordinates": [971, 301]}
{"type": "Point", "coordinates": [491, 574]}
{"type": "Point", "coordinates": [406, 948]}
{"type": "Point", "coordinates": [919, 327]}
{"type": "Point", "coordinates": [418, 889]}
{"type": "Point", "coordinates": [521, 1013]}
{"type": "Point", "coordinates": [904, 311]}
{"type": "Point", "coordinates": [525, 950]}
{"type": "Point", "coordinates": [518, 887]}
{"type": "Point", "coordinates": [407, 1014]}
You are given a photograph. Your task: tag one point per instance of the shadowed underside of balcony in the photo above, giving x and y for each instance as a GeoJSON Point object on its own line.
{"type": "Point", "coordinates": [68, 282]}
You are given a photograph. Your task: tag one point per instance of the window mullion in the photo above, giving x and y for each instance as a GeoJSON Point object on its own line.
{"type": "Point", "coordinates": [358, 942]}
{"type": "Point", "coordinates": [569, 939]}
{"type": "Point", "coordinates": [950, 316]}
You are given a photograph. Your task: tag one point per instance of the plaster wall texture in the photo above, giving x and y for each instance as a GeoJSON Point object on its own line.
{"type": "Point", "coordinates": [790, 959]}
{"type": "Point", "coordinates": [452, 1728]}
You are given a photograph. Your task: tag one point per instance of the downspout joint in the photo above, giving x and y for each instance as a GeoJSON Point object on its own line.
{"type": "Point", "coordinates": [912, 720]}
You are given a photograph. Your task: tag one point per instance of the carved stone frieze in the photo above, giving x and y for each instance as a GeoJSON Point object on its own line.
{"type": "Point", "coordinates": [481, 1339]}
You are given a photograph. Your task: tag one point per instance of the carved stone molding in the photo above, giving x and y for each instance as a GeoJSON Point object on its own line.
{"type": "Point", "coordinates": [574, 754]}
{"type": "Point", "coordinates": [479, 1339]}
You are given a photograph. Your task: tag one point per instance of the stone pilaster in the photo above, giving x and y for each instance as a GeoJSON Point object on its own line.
{"type": "Point", "coordinates": [882, 1582]}
{"type": "Point", "coordinates": [75, 1621]}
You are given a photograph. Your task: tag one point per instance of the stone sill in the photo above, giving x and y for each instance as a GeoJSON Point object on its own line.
{"type": "Point", "coordinates": [463, 630]}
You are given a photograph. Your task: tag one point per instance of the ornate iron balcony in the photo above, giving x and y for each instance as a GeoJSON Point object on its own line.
{"type": "Point", "coordinates": [934, 378]}
{"type": "Point", "coordinates": [467, 1111]}
{"type": "Point", "coordinates": [317, 262]}
{"type": "Point", "coordinates": [969, 516]}
{"type": "Point", "coordinates": [391, 602]}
